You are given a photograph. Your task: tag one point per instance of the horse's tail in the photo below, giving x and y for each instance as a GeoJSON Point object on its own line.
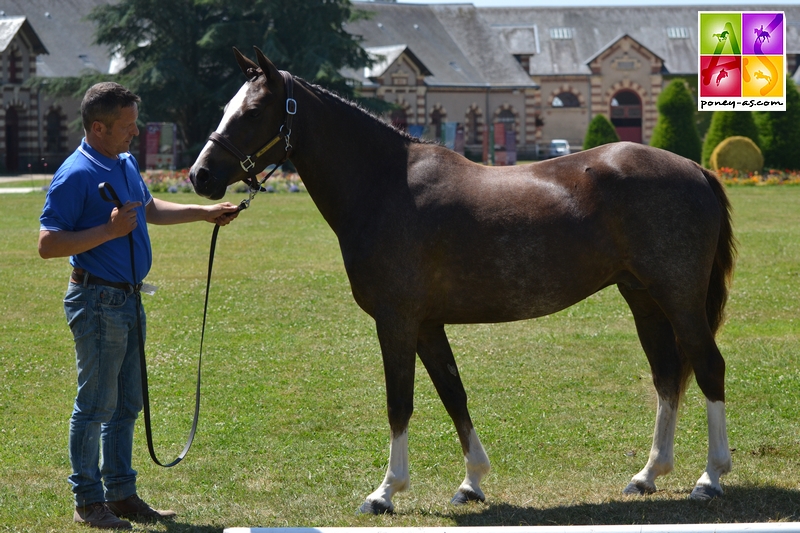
{"type": "Point", "coordinates": [724, 259]}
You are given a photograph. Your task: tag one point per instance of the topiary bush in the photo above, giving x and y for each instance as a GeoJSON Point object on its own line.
{"type": "Point", "coordinates": [726, 124]}
{"type": "Point", "coordinates": [600, 131]}
{"type": "Point", "coordinates": [780, 132]}
{"type": "Point", "coordinates": [738, 153]}
{"type": "Point", "coordinates": [675, 129]}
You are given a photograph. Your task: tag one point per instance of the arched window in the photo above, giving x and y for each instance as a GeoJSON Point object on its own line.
{"type": "Point", "coordinates": [566, 99]}
{"type": "Point", "coordinates": [506, 116]}
{"type": "Point", "coordinates": [53, 141]}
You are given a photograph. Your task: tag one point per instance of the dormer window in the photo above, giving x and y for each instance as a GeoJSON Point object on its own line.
{"type": "Point", "coordinates": [678, 32]}
{"type": "Point", "coordinates": [561, 33]}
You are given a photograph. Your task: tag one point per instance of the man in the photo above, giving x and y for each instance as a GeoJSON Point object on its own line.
{"type": "Point", "coordinates": [100, 303]}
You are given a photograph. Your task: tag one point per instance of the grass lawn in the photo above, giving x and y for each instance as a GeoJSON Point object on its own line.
{"type": "Point", "coordinates": [293, 428]}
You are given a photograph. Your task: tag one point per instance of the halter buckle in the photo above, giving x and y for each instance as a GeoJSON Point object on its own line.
{"type": "Point", "coordinates": [291, 106]}
{"type": "Point", "coordinates": [247, 164]}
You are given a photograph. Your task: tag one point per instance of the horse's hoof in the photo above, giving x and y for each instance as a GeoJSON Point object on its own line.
{"type": "Point", "coordinates": [638, 489]}
{"type": "Point", "coordinates": [375, 508]}
{"type": "Point", "coordinates": [705, 493]}
{"type": "Point", "coordinates": [463, 497]}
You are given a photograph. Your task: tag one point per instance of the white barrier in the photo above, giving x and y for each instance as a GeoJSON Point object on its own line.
{"type": "Point", "coordinates": [770, 527]}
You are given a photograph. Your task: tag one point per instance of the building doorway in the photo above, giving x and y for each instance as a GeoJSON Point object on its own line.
{"type": "Point", "coordinates": [626, 115]}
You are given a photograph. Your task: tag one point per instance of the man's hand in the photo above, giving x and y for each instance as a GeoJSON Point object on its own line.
{"type": "Point", "coordinates": [122, 220]}
{"type": "Point", "coordinates": [222, 214]}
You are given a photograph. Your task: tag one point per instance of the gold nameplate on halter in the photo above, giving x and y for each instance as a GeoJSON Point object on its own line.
{"type": "Point", "coordinates": [268, 146]}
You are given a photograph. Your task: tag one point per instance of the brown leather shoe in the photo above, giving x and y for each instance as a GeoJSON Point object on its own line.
{"type": "Point", "coordinates": [100, 516]}
{"type": "Point", "coordinates": [134, 508]}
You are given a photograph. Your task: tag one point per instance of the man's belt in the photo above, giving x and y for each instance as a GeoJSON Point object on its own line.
{"type": "Point", "coordinates": [81, 277]}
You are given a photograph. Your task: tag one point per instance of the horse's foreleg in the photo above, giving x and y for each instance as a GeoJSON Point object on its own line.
{"type": "Point", "coordinates": [437, 356]}
{"type": "Point", "coordinates": [398, 350]}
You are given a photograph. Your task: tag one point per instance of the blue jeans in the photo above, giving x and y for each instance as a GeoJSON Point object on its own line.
{"type": "Point", "coordinates": [103, 324]}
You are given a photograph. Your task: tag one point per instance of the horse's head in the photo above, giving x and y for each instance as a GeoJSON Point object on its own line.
{"type": "Point", "coordinates": [247, 138]}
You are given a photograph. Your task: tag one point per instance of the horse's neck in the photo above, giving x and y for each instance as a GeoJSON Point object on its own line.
{"type": "Point", "coordinates": [339, 153]}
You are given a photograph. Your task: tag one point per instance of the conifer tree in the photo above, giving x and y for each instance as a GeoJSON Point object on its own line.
{"type": "Point", "coordinates": [675, 128]}
{"type": "Point", "coordinates": [600, 131]}
{"type": "Point", "coordinates": [726, 124]}
{"type": "Point", "coordinates": [780, 132]}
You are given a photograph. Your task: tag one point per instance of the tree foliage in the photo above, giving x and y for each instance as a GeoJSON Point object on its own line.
{"type": "Point", "coordinates": [780, 132]}
{"type": "Point", "coordinates": [726, 124]}
{"type": "Point", "coordinates": [675, 129]}
{"type": "Point", "coordinates": [179, 59]}
{"type": "Point", "coordinates": [600, 131]}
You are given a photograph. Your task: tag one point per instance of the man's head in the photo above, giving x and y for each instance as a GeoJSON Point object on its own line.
{"type": "Point", "coordinates": [109, 112]}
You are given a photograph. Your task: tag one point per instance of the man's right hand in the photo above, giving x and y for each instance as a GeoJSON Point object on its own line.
{"type": "Point", "coordinates": [123, 220]}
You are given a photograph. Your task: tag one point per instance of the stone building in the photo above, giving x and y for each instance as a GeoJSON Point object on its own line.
{"type": "Point", "coordinates": [541, 72]}
{"type": "Point", "coordinates": [549, 69]}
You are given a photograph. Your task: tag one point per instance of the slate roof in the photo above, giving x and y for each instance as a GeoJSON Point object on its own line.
{"type": "Point", "coordinates": [542, 31]}
{"type": "Point", "coordinates": [453, 41]}
{"type": "Point", "coordinates": [65, 35]}
{"type": "Point", "coordinates": [11, 26]}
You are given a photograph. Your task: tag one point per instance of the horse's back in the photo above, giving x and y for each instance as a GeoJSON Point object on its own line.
{"type": "Point", "coordinates": [485, 244]}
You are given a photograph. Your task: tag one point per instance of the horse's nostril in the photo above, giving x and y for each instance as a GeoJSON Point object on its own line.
{"type": "Point", "coordinates": [199, 177]}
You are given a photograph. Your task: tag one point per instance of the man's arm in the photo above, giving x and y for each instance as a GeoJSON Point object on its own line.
{"type": "Point", "coordinates": [162, 212]}
{"type": "Point", "coordinates": [66, 243]}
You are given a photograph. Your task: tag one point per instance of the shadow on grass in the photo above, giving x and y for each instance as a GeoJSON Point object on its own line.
{"type": "Point", "coordinates": [739, 504]}
{"type": "Point", "coordinates": [182, 527]}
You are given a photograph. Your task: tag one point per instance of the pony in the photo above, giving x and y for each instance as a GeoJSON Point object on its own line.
{"type": "Point", "coordinates": [429, 238]}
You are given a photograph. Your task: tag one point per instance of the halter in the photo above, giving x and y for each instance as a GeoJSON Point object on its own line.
{"type": "Point", "coordinates": [248, 162]}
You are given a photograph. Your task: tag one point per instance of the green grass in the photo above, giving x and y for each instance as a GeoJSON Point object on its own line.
{"type": "Point", "coordinates": [293, 428]}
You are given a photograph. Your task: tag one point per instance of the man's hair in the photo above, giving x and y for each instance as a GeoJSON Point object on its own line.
{"type": "Point", "coordinates": [103, 101]}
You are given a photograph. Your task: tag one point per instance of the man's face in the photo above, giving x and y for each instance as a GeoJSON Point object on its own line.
{"type": "Point", "coordinates": [117, 139]}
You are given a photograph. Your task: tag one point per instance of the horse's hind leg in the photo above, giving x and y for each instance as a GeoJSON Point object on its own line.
{"type": "Point", "coordinates": [695, 340]}
{"type": "Point", "coordinates": [435, 352]}
{"type": "Point", "coordinates": [670, 371]}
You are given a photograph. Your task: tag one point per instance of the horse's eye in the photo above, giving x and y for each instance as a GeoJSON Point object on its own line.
{"type": "Point", "coordinates": [254, 113]}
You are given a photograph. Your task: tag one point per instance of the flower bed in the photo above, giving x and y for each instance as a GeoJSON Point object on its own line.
{"type": "Point", "coordinates": [730, 176]}
{"type": "Point", "coordinates": [178, 181]}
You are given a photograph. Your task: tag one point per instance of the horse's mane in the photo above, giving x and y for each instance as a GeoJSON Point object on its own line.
{"type": "Point", "coordinates": [331, 95]}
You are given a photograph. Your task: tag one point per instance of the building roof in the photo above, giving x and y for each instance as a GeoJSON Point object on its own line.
{"type": "Point", "coordinates": [452, 41]}
{"type": "Point", "coordinates": [65, 35]}
{"type": "Point", "coordinates": [11, 26]}
{"type": "Point", "coordinates": [562, 40]}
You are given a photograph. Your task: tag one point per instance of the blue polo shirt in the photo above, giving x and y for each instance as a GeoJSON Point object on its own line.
{"type": "Point", "coordinates": [74, 203]}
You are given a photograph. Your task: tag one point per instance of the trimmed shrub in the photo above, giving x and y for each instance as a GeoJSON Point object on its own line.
{"type": "Point", "coordinates": [675, 129]}
{"type": "Point", "coordinates": [600, 131]}
{"type": "Point", "coordinates": [739, 153]}
{"type": "Point", "coordinates": [780, 132]}
{"type": "Point", "coordinates": [726, 124]}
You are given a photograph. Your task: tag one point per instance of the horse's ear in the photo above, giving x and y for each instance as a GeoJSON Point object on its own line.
{"type": "Point", "coordinates": [247, 65]}
{"type": "Point", "coordinates": [267, 67]}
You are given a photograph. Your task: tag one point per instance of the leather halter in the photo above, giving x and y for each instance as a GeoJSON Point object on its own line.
{"type": "Point", "coordinates": [248, 162]}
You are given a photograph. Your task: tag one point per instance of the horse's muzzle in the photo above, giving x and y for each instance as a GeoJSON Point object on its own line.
{"type": "Point", "coordinates": [205, 184]}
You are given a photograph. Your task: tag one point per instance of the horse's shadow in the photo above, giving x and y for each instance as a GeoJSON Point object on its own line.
{"type": "Point", "coordinates": [738, 505]}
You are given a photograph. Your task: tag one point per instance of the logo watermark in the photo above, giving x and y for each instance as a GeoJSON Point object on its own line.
{"type": "Point", "coordinates": [741, 61]}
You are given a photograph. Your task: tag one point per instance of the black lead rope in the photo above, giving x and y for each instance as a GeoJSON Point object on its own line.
{"type": "Point", "coordinates": [109, 195]}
